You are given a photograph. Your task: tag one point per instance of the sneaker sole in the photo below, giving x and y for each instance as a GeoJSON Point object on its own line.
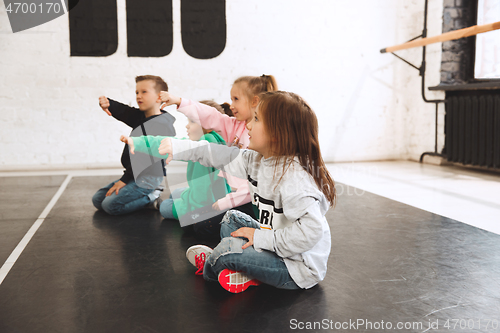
{"type": "Point", "coordinates": [197, 250]}
{"type": "Point", "coordinates": [236, 282]}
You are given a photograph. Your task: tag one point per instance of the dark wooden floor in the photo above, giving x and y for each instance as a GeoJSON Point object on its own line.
{"type": "Point", "coordinates": [85, 271]}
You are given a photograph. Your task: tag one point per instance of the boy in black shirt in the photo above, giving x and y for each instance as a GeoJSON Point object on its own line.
{"type": "Point", "coordinates": [139, 186]}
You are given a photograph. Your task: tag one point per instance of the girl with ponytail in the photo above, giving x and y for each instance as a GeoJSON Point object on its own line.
{"type": "Point", "coordinates": [244, 99]}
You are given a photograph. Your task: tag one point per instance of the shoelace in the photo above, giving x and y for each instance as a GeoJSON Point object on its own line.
{"type": "Point", "coordinates": [200, 263]}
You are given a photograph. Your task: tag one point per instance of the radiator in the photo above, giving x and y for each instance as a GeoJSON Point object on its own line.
{"type": "Point", "coordinates": [472, 128]}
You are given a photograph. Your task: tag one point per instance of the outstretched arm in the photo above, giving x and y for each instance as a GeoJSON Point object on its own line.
{"type": "Point", "coordinates": [206, 116]}
{"type": "Point", "coordinates": [124, 113]}
{"type": "Point", "coordinates": [148, 144]}
{"type": "Point", "coordinates": [228, 159]}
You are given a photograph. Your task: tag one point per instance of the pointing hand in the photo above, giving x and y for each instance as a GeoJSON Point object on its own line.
{"type": "Point", "coordinates": [104, 104]}
{"type": "Point", "coordinates": [169, 99]}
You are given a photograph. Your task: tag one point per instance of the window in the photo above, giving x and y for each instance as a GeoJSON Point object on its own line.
{"type": "Point", "coordinates": [487, 64]}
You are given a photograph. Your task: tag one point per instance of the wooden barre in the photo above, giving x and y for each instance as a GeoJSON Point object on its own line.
{"type": "Point", "coordinates": [457, 34]}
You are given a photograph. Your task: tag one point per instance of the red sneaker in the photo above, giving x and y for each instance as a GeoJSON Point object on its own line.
{"type": "Point", "coordinates": [236, 282]}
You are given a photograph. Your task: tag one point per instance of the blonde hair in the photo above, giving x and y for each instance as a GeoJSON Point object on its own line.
{"type": "Point", "coordinates": [258, 84]}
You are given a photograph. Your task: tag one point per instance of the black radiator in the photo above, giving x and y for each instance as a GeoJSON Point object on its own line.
{"type": "Point", "coordinates": [472, 128]}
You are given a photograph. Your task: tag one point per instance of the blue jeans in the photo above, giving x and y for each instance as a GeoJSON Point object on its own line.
{"type": "Point", "coordinates": [264, 266]}
{"type": "Point", "coordinates": [130, 198]}
{"type": "Point", "coordinates": [166, 207]}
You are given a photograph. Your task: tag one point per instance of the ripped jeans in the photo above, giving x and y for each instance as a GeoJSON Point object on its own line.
{"type": "Point", "coordinates": [264, 266]}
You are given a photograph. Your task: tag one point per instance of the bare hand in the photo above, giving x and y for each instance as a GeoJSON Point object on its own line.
{"type": "Point", "coordinates": [169, 99]}
{"type": "Point", "coordinates": [166, 148]}
{"type": "Point", "coordinates": [247, 233]}
{"type": "Point", "coordinates": [215, 206]}
{"type": "Point", "coordinates": [129, 141]}
{"type": "Point", "coordinates": [104, 104]}
{"type": "Point", "coordinates": [116, 188]}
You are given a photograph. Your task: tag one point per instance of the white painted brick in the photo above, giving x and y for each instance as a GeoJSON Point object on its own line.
{"type": "Point", "coordinates": [369, 105]}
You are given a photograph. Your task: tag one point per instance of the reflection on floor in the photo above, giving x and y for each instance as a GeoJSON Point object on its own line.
{"type": "Point", "coordinates": [390, 263]}
{"type": "Point", "coordinates": [468, 196]}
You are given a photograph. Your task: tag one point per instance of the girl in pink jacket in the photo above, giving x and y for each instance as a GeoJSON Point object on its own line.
{"type": "Point", "coordinates": [244, 99]}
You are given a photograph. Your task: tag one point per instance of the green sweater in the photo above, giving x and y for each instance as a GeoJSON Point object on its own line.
{"type": "Point", "coordinates": [201, 180]}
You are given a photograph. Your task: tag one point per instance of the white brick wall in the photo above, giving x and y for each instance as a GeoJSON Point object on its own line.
{"type": "Point", "coordinates": [368, 104]}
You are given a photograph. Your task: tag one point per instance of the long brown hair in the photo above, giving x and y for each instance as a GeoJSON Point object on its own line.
{"type": "Point", "coordinates": [293, 127]}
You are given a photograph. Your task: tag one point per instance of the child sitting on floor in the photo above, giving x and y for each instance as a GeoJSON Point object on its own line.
{"type": "Point", "coordinates": [139, 186]}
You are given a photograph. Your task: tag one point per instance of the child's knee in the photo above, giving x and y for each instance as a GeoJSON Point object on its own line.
{"type": "Point", "coordinates": [234, 216]}
{"type": "Point", "coordinates": [167, 209]}
{"type": "Point", "coordinates": [234, 219]}
{"type": "Point", "coordinates": [227, 217]}
{"type": "Point", "coordinates": [229, 223]}
{"type": "Point", "coordinates": [227, 247]}
{"type": "Point", "coordinates": [97, 201]}
{"type": "Point", "coordinates": [110, 206]}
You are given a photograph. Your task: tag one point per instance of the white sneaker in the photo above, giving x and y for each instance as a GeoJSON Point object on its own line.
{"type": "Point", "coordinates": [197, 254]}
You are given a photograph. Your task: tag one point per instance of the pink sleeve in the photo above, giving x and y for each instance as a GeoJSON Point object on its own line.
{"type": "Point", "coordinates": [238, 198]}
{"type": "Point", "coordinates": [210, 119]}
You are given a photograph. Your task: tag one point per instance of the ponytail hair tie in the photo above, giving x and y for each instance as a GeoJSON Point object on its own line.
{"type": "Point", "coordinates": [264, 76]}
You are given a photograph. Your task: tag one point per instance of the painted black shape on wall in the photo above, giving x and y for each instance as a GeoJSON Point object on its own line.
{"type": "Point", "coordinates": [93, 28]}
{"type": "Point", "coordinates": [149, 28]}
{"type": "Point", "coordinates": [203, 27]}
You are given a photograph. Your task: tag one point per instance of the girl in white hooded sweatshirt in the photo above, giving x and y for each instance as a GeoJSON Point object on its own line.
{"type": "Point", "coordinates": [289, 246]}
